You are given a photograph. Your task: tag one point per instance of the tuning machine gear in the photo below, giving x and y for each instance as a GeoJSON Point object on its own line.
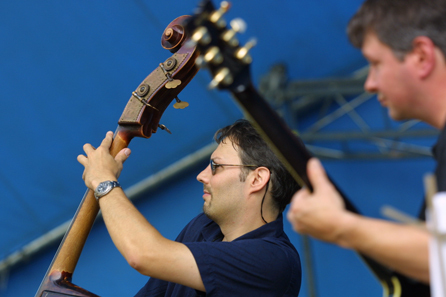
{"type": "Point", "coordinates": [172, 83]}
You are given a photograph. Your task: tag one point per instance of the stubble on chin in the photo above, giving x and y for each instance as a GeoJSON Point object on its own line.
{"type": "Point", "coordinates": [208, 212]}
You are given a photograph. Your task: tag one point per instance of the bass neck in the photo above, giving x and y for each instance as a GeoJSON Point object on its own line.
{"type": "Point", "coordinates": [60, 272]}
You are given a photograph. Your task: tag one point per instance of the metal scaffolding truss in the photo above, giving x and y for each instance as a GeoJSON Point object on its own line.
{"type": "Point", "coordinates": [337, 119]}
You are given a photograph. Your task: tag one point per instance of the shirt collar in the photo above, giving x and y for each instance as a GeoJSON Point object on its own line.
{"type": "Point", "coordinates": [211, 231]}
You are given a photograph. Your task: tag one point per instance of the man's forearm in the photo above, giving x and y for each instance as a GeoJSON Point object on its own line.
{"type": "Point", "coordinates": [402, 247]}
{"type": "Point", "coordinates": [144, 248]}
{"type": "Point", "coordinates": [128, 228]}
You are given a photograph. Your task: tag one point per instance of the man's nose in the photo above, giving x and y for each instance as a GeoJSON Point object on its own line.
{"type": "Point", "coordinates": [370, 84]}
{"type": "Point", "coordinates": [204, 175]}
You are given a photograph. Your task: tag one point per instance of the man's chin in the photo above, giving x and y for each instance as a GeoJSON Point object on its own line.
{"type": "Point", "coordinates": [208, 214]}
{"type": "Point", "coordinates": [206, 210]}
{"type": "Point", "coordinates": [397, 116]}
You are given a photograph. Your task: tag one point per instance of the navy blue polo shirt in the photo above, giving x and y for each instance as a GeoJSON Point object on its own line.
{"type": "Point", "coordinates": [262, 262]}
{"type": "Point", "coordinates": [439, 152]}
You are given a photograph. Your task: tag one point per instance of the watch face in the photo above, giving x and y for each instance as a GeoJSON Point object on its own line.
{"type": "Point", "coordinates": [104, 187]}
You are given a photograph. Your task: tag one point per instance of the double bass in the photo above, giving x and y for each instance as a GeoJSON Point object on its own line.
{"type": "Point", "coordinates": [140, 118]}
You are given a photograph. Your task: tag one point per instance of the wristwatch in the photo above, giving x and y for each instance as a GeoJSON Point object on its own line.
{"type": "Point", "coordinates": [104, 188]}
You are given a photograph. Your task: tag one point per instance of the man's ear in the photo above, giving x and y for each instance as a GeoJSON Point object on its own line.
{"type": "Point", "coordinates": [423, 56]}
{"type": "Point", "coordinates": [260, 177]}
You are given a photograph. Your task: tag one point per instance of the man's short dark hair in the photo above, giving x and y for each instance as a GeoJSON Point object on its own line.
{"type": "Point", "coordinates": [253, 150]}
{"type": "Point", "coordinates": [397, 22]}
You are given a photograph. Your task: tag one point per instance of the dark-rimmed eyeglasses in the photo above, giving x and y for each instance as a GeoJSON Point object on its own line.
{"type": "Point", "coordinates": [214, 166]}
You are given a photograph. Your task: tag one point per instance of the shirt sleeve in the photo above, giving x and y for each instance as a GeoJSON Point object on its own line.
{"type": "Point", "coordinates": [153, 288]}
{"type": "Point", "coordinates": [254, 267]}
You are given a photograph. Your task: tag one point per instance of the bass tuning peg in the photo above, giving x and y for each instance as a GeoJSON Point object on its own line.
{"type": "Point", "coordinates": [213, 55]}
{"type": "Point", "coordinates": [223, 77]}
{"type": "Point", "coordinates": [243, 52]}
{"type": "Point", "coordinates": [237, 26]}
{"type": "Point", "coordinates": [180, 104]}
{"type": "Point", "coordinates": [201, 35]}
{"type": "Point", "coordinates": [217, 16]}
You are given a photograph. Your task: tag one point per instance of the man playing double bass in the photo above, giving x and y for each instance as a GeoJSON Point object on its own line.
{"type": "Point", "coordinates": [236, 247]}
